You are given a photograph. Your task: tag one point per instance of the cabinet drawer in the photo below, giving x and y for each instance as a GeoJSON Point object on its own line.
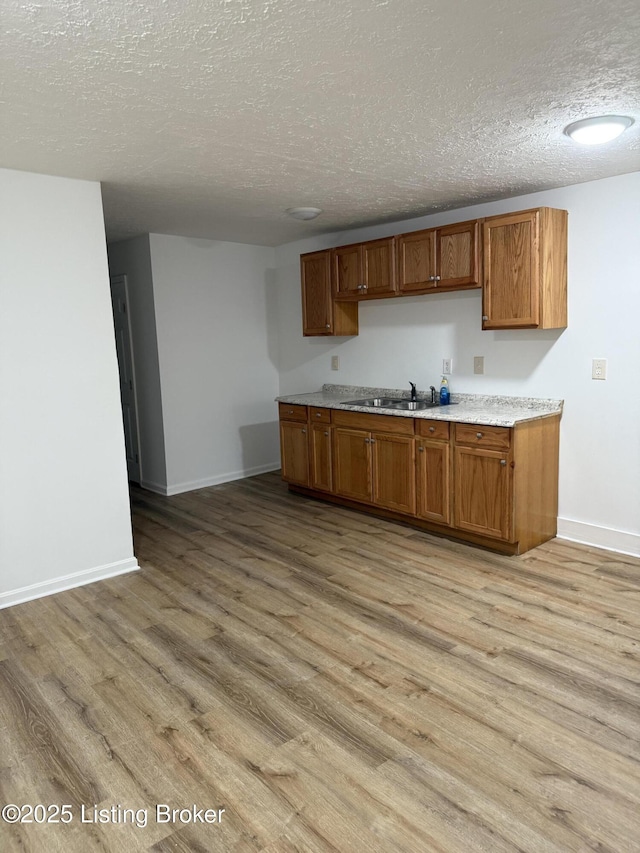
{"type": "Point", "coordinates": [433, 429]}
{"type": "Point", "coordinates": [319, 416]}
{"type": "Point", "coordinates": [373, 423]}
{"type": "Point", "coordinates": [291, 412]}
{"type": "Point", "coordinates": [477, 435]}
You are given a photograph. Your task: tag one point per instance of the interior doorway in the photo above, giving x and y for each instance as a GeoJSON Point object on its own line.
{"type": "Point", "coordinates": [124, 349]}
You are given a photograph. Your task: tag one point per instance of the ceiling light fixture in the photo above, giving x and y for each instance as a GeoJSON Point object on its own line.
{"type": "Point", "coordinates": [596, 131]}
{"type": "Point", "coordinates": [303, 212]}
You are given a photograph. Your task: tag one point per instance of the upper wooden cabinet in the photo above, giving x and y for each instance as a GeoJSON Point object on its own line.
{"type": "Point", "coordinates": [365, 270]}
{"type": "Point", "coordinates": [320, 314]}
{"type": "Point", "coordinates": [525, 270]}
{"type": "Point", "coordinates": [439, 258]}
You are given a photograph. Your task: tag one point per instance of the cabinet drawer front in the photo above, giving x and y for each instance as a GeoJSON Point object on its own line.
{"type": "Point", "coordinates": [292, 412]}
{"type": "Point", "coordinates": [476, 435]}
{"type": "Point", "coordinates": [373, 423]}
{"type": "Point", "coordinates": [433, 429]}
{"type": "Point", "coordinates": [319, 416]}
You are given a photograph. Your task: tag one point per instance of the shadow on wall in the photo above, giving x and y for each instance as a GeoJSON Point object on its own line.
{"type": "Point", "coordinates": [260, 442]}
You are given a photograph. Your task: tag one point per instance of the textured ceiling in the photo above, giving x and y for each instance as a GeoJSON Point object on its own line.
{"type": "Point", "coordinates": [209, 118]}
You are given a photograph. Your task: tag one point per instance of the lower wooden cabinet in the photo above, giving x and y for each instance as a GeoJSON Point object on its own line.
{"type": "Point", "coordinates": [433, 471]}
{"type": "Point", "coordinates": [493, 486]}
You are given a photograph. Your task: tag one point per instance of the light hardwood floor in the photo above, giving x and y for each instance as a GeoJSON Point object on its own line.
{"type": "Point", "coordinates": [334, 682]}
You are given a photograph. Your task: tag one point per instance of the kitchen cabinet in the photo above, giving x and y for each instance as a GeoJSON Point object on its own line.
{"type": "Point", "coordinates": [375, 460]}
{"type": "Point", "coordinates": [446, 258]}
{"type": "Point", "coordinates": [321, 315]}
{"type": "Point", "coordinates": [320, 449]}
{"type": "Point", "coordinates": [483, 480]}
{"type": "Point", "coordinates": [365, 270]}
{"type": "Point", "coordinates": [490, 485]}
{"type": "Point", "coordinates": [433, 469]}
{"type": "Point", "coordinates": [525, 270]}
{"type": "Point", "coordinates": [294, 444]}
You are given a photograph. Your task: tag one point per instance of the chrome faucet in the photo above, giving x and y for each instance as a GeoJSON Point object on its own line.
{"type": "Point", "coordinates": [414, 396]}
{"type": "Point", "coordinates": [433, 394]}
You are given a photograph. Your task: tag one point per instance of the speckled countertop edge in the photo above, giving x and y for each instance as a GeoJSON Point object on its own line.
{"type": "Point", "coordinates": [490, 410]}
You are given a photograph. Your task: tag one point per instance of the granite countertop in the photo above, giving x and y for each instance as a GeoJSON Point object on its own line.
{"type": "Point", "coordinates": [489, 410]}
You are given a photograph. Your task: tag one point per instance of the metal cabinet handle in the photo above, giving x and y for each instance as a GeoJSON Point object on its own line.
{"type": "Point", "coordinates": [421, 449]}
{"type": "Point", "coordinates": [437, 278]}
{"type": "Point", "coordinates": [478, 435]}
{"type": "Point", "coordinates": [366, 441]}
{"type": "Point", "coordinates": [318, 414]}
{"type": "Point", "coordinates": [432, 429]}
{"type": "Point", "coordinates": [326, 432]}
{"type": "Point", "coordinates": [304, 432]}
{"type": "Point", "coordinates": [503, 461]}
{"type": "Point", "coordinates": [484, 317]}
{"type": "Point", "coordinates": [328, 326]}
{"type": "Point", "coordinates": [290, 412]}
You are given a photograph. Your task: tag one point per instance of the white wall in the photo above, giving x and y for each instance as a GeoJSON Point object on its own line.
{"type": "Point", "coordinates": [133, 259]}
{"type": "Point", "coordinates": [64, 504]}
{"type": "Point", "coordinates": [406, 339]}
{"type": "Point", "coordinates": [217, 351]}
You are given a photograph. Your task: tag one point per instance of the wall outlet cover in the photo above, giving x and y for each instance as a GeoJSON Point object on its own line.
{"type": "Point", "coordinates": [599, 368]}
{"type": "Point", "coordinates": [447, 365]}
{"type": "Point", "coordinates": [478, 364]}
{"type": "Point", "coordinates": [335, 362]}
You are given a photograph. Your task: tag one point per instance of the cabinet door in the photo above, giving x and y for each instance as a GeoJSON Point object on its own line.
{"type": "Point", "coordinates": [417, 261]}
{"type": "Point", "coordinates": [458, 255]}
{"type": "Point", "coordinates": [434, 480]}
{"type": "Point", "coordinates": [294, 452]}
{"type": "Point", "coordinates": [379, 267]}
{"type": "Point", "coordinates": [321, 473]}
{"type": "Point", "coordinates": [347, 270]}
{"type": "Point", "coordinates": [483, 499]}
{"type": "Point", "coordinates": [315, 277]}
{"type": "Point", "coordinates": [352, 463]}
{"type": "Point", "coordinates": [394, 478]}
{"type": "Point", "coordinates": [511, 271]}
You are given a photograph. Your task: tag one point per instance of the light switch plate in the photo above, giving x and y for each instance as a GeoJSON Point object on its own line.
{"type": "Point", "coordinates": [335, 362]}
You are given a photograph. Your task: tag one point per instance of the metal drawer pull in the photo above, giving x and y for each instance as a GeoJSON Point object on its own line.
{"type": "Point", "coordinates": [478, 435]}
{"type": "Point", "coordinates": [318, 414]}
{"type": "Point", "coordinates": [290, 412]}
{"type": "Point", "coordinates": [503, 461]}
{"type": "Point", "coordinates": [421, 449]}
{"type": "Point", "coordinates": [432, 429]}
{"type": "Point", "coordinates": [326, 432]}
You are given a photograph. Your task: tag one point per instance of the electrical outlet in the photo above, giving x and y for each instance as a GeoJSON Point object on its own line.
{"type": "Point", "coordinates": [447, 365]}
{"type": "Point", "coordinates": [599, 368]}
{"type": "Point", "coordinates": [478, 364]}
{"type": "Point", "coordinates": [335, 362]}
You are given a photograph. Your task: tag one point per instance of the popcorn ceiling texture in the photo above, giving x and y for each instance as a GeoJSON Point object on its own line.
{"type": "Point", "coordinates": [208, 118]}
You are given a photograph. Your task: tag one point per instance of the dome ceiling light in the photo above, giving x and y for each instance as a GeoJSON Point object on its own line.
{"type": "Point", "coordinates": [303, 212]}
{"type": "Point", "coordinates": [597, 130]}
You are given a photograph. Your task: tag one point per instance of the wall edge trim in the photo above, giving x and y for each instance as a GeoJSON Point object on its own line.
{"type": "Point", "coordinates": [607, 538]}
{"type": "Point", "coordinates": [64, 582]}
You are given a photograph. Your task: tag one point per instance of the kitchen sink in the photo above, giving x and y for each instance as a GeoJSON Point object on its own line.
{"type": "Point", "coordinates": [401, 404]}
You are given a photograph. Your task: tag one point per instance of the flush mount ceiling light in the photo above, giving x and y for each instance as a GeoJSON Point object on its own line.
{"type": "Point", "coordinates": [596, 131]}
{"type": "Point", "coordinates": [303, 212]}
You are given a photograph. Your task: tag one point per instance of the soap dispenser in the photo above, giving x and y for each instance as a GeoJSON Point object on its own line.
{"type": "Point", "coordinates": [444, 392]}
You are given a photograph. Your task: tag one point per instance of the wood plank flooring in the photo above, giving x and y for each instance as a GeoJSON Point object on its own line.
{"type": "Point", "coordinates": [333, 681]}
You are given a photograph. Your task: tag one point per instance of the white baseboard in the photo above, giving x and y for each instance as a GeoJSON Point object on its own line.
{"type": "Point", "coordinates": [39, 590]}
{"type": "Point", "coordinates": [599, 537]}
{"type": "Point", "coordinates": [179, 488]}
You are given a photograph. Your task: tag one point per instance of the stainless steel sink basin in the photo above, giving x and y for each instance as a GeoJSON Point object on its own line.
{"type": "Point", "coordinates": [401, 404]}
